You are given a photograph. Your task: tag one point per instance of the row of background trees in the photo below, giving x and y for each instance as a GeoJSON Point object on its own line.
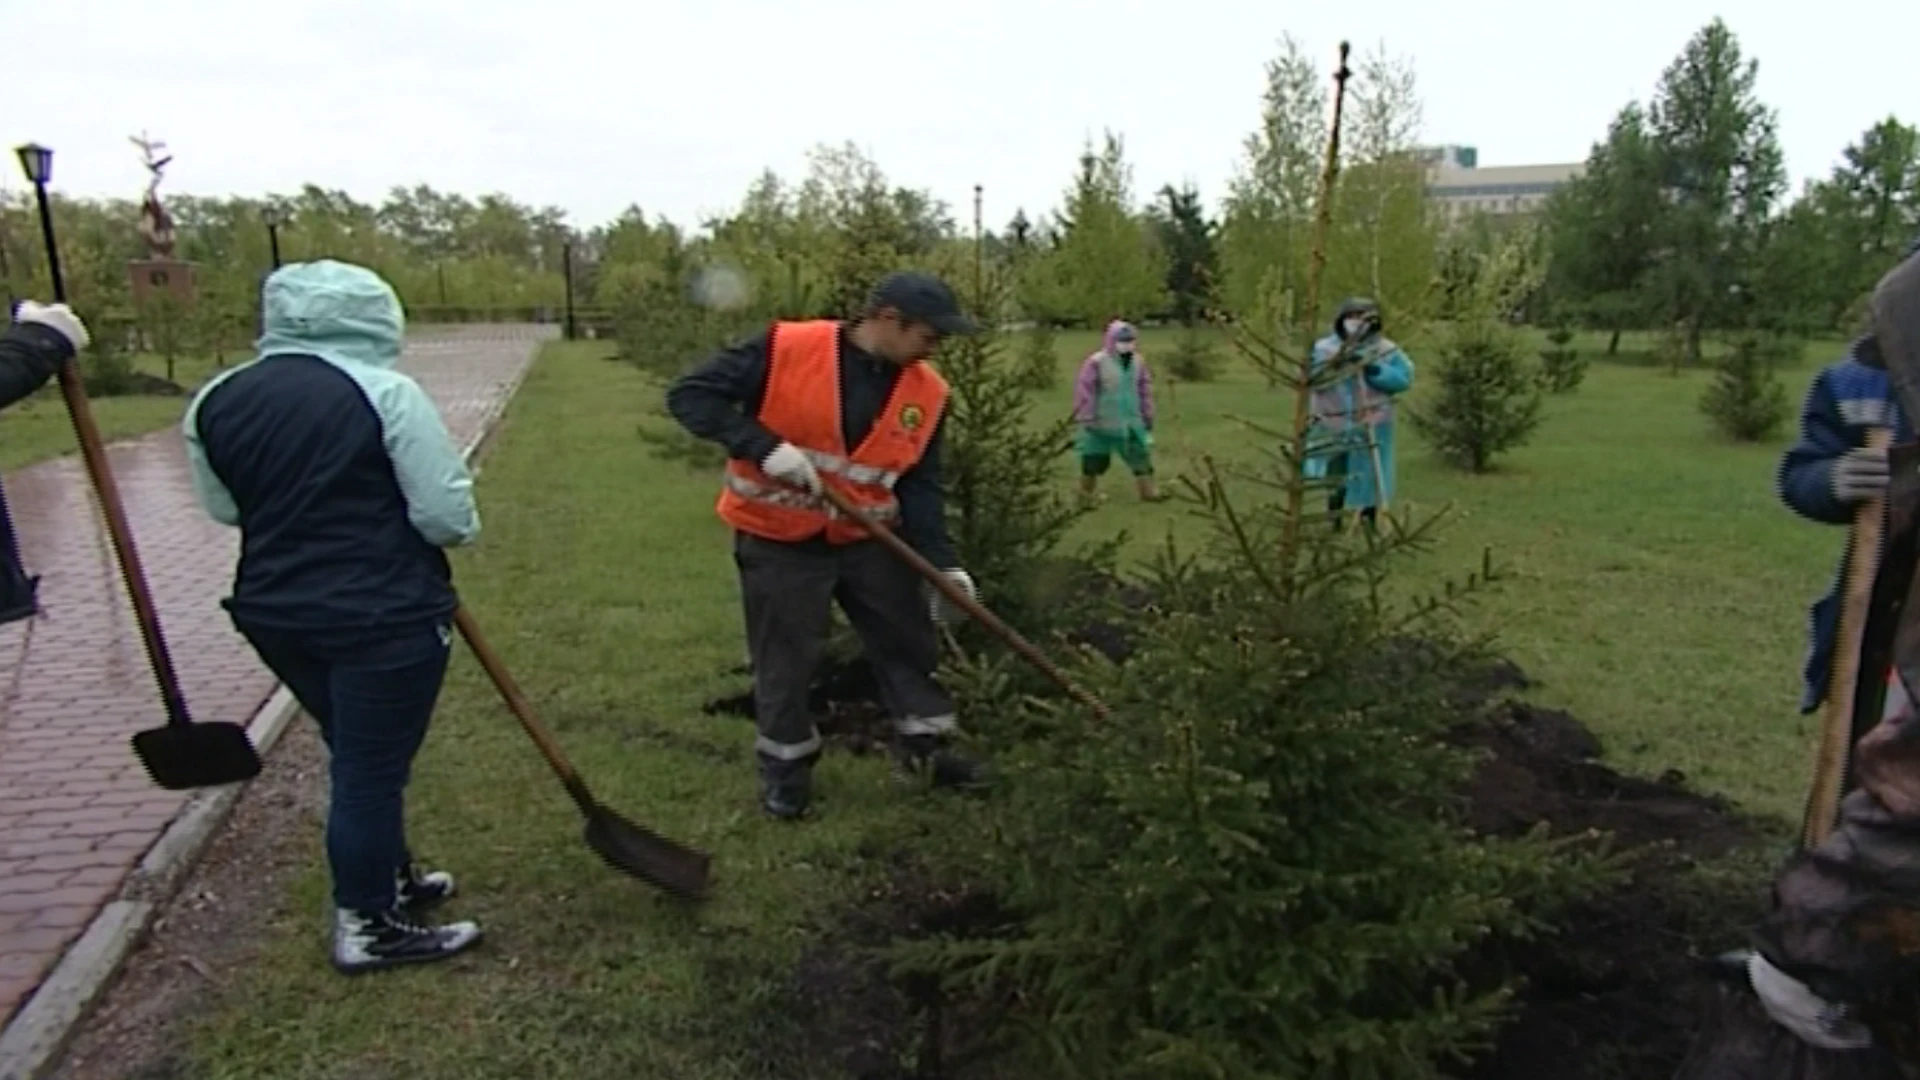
{"type": "Point", "coordinates": [1679, 221]}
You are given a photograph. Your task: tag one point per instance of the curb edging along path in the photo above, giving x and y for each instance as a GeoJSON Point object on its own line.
{"type": "Point", "coordinates": [89, 848]}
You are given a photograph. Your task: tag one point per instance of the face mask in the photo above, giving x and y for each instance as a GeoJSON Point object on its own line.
{"type": "Point", "coordinates": [1352, 326]}
{"type": "Point", "coordinates": [1124, 348]}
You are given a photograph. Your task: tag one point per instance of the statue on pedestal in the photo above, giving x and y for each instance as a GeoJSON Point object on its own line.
{"type": "Point", "coordinates": [159, 272]}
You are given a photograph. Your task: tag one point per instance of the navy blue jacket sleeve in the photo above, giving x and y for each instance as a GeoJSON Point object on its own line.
{"type": "Point", "coordinates": [718, 399]}
{"type": "Point", "coordinates": [29, 355]}
{"type": "Point", "coordinates": [1806, 470]}
{"type": "Point", "coordinates": [923, 506]}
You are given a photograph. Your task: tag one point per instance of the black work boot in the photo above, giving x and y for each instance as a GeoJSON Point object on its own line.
{"type": "Point", "coordinates": [786, 787]}
{"type": "Point", "coordinates": [924, 759]}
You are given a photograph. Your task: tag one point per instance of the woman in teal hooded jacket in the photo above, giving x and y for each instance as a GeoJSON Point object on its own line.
{"type": "Point", "coordinates": [1353, 413]}
{"type": "Point", "coordinates": [346, 487]}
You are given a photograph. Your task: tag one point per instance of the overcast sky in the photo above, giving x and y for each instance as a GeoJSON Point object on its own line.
{"type": "Point", "coordinates": [592, 106]}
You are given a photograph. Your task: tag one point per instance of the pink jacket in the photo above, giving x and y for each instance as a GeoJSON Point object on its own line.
{"type": "Point", "coordinates": [1087, 385]}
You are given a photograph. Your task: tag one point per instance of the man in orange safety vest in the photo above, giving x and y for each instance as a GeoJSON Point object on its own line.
{"type": "Point", "coordinates": [854, 405]}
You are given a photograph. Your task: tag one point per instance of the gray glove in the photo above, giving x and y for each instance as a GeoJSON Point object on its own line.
{"type": "Point", "coordinates": [1859, 475]}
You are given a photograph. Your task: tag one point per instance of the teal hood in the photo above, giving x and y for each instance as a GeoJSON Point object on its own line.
{"type": "Point", "coordinates": [333, 310]}
{"type": "Point", "coordinates": [348, 317]}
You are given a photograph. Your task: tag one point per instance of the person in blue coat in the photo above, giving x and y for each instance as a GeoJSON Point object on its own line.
{"type": "Point", "coordinates": [38, 340]}
{"type": "Point", "coordinates": [346, 488]}
{"type": "Point", "coordinates": [1354, 413]}
{"type": "Point", "coordinates": [1829, 471]}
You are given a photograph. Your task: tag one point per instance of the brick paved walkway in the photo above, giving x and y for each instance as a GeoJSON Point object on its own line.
{"type": "Point", "coordinates": [77, 812]}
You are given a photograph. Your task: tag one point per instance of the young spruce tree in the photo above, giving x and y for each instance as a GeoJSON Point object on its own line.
{"type": "Point", "coordinates": [1746, 400]}
{"type": "Point", "coordinates": [1487, 396]}
{"type": "Point", "coordinates": [1000, 465]}
{"type": "Point", "coordinates": [1254, 867]}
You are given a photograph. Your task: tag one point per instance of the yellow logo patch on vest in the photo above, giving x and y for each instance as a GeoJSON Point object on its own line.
{"type": "Point", "coordinates": [912, 416]}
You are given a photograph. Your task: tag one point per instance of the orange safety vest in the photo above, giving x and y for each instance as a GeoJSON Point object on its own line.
{"type": "Point", "coordinates": [802, 406]}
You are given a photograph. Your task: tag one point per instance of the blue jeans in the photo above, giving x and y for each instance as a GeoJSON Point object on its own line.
{"type": "Point", "coordinates": [372, 693]}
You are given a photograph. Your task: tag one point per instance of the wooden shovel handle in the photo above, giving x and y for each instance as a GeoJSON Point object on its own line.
{"type": "Point", "coordinates": [1864, 538]}
{"type": "Point", "coordinates": [522, 709]}
{"type": "Point", "coordinates": [93, 451]}
{"type": "Point", "coordinates": [974, 609]}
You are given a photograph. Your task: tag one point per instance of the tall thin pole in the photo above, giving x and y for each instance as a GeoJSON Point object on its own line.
{"type": "Point", "coordinates": [566, 259]}
{"type": "Point", "coordinates": [1316, 268]}
{"type": "Point", "coordinates": [273, 243]}
{"type": "Point", "coordinates": [979, 249]}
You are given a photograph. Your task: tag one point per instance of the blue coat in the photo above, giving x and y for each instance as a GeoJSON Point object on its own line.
{"type": "Point", "coordinates": [1847, 398]}
{"type": "Point", "coordinates": [335, 466]}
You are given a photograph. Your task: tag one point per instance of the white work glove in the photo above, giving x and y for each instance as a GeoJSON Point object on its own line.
{"type": "Point", "coordinates": [1811, 1018]}
{"type": "Point", "coordinates": [1859, 475]}
{"type": "Point", "coordinates": [788, 464]}
{"type": "Point", "coordinates": [58, 318]}
{"type": "Point", "coordinates": [944, 610]}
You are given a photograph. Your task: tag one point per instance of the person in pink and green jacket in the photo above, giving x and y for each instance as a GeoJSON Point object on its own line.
{"type": "Point", "coordinates": [1113, 404]}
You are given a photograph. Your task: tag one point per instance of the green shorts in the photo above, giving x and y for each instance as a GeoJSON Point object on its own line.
{"type": "Point", "coordinates": [1098, 449]}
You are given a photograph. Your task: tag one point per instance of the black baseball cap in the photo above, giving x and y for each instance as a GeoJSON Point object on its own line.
{"type": "Point", "coordinates": [923, 298]}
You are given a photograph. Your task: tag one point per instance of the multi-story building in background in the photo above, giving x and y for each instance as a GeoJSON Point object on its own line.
{"type": "Point", "coordinates": [1461, 187]}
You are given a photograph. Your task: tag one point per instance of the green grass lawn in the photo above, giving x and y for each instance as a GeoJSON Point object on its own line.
{"type": "Point", "coordinates": [39, 428]}
{"type": "Point", "coordinates": [1658, 586]}
{"type": "Point", "coordinates": [1657, 591]}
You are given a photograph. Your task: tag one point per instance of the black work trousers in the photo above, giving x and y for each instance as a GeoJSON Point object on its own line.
{"type": "Point", "coordinates": [787, 590]}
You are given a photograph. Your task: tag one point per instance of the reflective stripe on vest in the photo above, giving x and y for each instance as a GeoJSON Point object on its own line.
{"type": "Point", "coordinates": [782, 495]}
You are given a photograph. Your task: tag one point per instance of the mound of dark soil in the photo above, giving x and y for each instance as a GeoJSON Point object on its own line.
{"type": "Point", "coordinates": [837, 1013]}
{"type": "Point", "coordinates": [1616, 992]}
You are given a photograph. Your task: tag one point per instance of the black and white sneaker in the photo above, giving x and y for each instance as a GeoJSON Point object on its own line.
{"type": "Point", "coordinates": [419, 889]}
{"type": "Point", "coordinates": [366, 941]}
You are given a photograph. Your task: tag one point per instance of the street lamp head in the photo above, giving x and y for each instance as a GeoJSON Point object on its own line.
{"type": "Point", "coordinates": [37, 162]}
{"type": "Point", "coordinates": [273, 215]}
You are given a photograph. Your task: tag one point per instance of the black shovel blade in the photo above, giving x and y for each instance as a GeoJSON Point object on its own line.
{"type": "Point", "coordinates": [642, 853]}
{"type": "Point", "coordinates": [183, 756]}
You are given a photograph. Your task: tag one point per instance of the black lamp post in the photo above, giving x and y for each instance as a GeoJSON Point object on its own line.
{"type": "Point", "coordinates": [37, 162]}
{"type": "Point", "coordinates": [274, 217]}
{"type": "Point", "coordinates": [566, 270]}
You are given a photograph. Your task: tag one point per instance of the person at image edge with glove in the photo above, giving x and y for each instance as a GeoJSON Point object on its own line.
{"type": "Point", "coordinates": [42, 337]}
{"type": "Point", "coordinates": [1829, 470]}
{"type": "Point", "coordinates": [854, 405]}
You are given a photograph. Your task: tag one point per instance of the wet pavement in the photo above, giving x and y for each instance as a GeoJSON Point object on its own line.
{"type": "Point", "coordinates": [77, 812]}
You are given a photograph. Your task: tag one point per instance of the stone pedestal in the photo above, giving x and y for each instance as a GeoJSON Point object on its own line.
{"type": "Point", "coordinates": [156, 277]}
